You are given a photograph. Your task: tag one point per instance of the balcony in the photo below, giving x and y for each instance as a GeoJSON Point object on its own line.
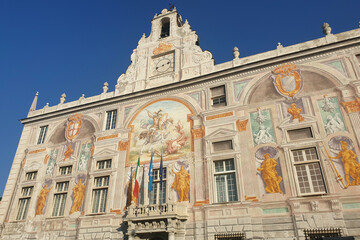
{"type": "Point", "coordinates": [164, 218]}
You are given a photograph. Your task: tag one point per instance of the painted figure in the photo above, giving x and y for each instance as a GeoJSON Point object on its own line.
{"type": "Point", "coordinates": [78, 194]}
{"type": "Point", "coordinates": [173, 146]}
{"type": "Point", "coordinates": [263, 135]}
{"type": "Point", "coordinates": [269, 174]}
{"type": "Point", "coordinates": [351, 166]}
{"type": "Point", "coordinates": [182, 184]}
{"type": "Point", "coordinates": [42, 200]}
{"type": "Point", "coordinates": [68, 152]}
{"type": "Point", "coordinates": [156, 129]}
{"type": "Point", "coordinates": [295, 112]}
{"type": "Point", "coordinates": [157, 117]}
{"type": "Point", "coordinates": [334, 124]}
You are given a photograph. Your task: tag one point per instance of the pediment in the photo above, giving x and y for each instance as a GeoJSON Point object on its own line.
{"type": "Point", "coordinates": [221, 133]}
{"type": "Point", "coordinates": [105, 153]}
{"type": "Point", "coordinates": [34, 166]}
{"type": "Point", "coordinates": [289, 123]}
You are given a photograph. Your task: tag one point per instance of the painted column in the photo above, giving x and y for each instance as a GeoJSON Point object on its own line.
{"type": "Point", "coordinates": [198, 134]}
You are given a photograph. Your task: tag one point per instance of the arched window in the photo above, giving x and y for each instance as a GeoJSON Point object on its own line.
{"type": "Point", "coordinates": [165, 28]}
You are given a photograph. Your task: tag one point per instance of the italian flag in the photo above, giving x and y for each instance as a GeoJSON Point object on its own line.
{"type": "Point", "coordinates": [136, 185]}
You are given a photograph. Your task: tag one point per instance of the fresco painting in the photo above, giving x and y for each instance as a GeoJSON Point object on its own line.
{"type": "Point", "coordinates": [51, 162]}
{"type": "Point", "coordinates": [85, 155]}
{"type": "Point", "coordinates": [262, 127]}
{"type": "Point", "coordinates": [333, 120]}
{"type": "Point", "coordinates": [238, 88]}
{"type": "Point", "coordinates": [161, 128]}
{"type": "Point", "coordinates": [269, 171]}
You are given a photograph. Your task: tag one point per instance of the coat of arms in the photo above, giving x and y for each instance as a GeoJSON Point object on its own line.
{"type": "Point", "coordinates": [287, 80]}
{"type": "Point", "coordinates": [73, 126]}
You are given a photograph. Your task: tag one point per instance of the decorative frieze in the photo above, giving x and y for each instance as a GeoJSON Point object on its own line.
{"type": "Point", "coordinates": [38, 151]}
{"type": "Point", "coordinates": [107, 137]}
{"type": "Point", "coordinates": [227, 114]}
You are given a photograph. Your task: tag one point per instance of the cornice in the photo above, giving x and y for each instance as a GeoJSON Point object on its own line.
{"type": "Point", "coordinates": [240, 71]}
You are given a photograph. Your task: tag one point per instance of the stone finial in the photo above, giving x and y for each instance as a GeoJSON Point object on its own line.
{"type": "Point", "coordinates": [46, 106]}
{"type": "Point", "coordinates": [236, 53]}
{"type": "Point", "coordinates": [279, 45]}
{"type": "Point", "coordinates": [326, 29]}
{"type": "Point", "coordinates": [105, 87]}
{"type": "Point", "coordinates": [82, 97]}
{"type": "Point", "coordinates": [63, 98]}
{"type": "Point", "coordinates": [34, 103]}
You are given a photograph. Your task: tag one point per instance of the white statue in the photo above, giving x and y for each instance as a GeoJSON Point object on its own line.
{"type": "Point", "coordinates": [263, 135]}
{"type": "Point", "coordinates": [334, 124]}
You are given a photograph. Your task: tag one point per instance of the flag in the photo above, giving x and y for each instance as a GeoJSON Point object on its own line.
{"type": "Point", "coordinates": [161, 171]}
{"type": "Point", "coordinates": [151, 173]}
{"type": "Point", "coordinates": [136, 185]}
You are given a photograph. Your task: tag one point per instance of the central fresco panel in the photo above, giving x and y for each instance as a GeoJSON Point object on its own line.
{"type": "Point", "coordinates": [162, 128]}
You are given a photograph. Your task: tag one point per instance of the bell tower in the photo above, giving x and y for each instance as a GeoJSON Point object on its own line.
{"type": "Point", "coordinates": [171, 53]}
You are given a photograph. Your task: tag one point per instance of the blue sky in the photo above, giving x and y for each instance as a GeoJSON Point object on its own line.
{"type": "Point", "coordinates": [75, 46]}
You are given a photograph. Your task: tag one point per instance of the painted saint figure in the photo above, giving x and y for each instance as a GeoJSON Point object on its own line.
{"type": "Point", "coordinates": [269, 174]}
{"type": "Point", "coordinates": [351, 166]}
{"type": "Point", "coordinates": [263, 135]}
{"type": "Point", "coordinates": [182, 184]}
{"type": "Point", "coordinates": [78, 194]}
{"type": "Point", "coordinates": [295, 112]}
{"type": "Point", "coordinates": [68, 152]}
{"type": "Point", "coordinates": [157, 117]}
{"type": "Point", "coordinates": [334, 124]}
{"type": "Point", "coordinates": [42, 200]}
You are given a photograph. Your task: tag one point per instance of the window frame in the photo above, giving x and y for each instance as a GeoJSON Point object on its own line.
{"type": "Point", "coordinates": [300, 128]}
{"type": "Point", "coordinates": [62, 202]}
{"type": "Point", "coordinates": [308, 174]}
{"type": "Point", "coordinates": [31, 176]}
{"type": "Point", "coordinates": [24, 197]}
{"type": "Point", "coordinates": [102, 188]}
{"type": "Point", "coordinates": [42, 134]}
{"type": "Point", "coordinates": [222, 98]}
{"type": "Point", "coordinates": [159, 192]}
{"type": "Point", "coordinates": [106, 164]}
{"type": "Point", "coordinates": [225, 173]}
{"type": "Point", "coordinates": [66, 169]}
{"type": "Point", "coordinates": [110, 119]}
{"type": "Point", "coordinates": [213, 143]}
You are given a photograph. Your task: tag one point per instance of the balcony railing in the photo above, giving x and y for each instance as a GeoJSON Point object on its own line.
{"type": "Point", "coordinates": [167, 209]}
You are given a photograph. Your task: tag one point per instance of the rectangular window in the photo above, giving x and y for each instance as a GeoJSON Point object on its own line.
{"type": "Point", "coordinates": [222, 146]}
{"type": "Point", "coordinates": [218, 96]}
{"type": "Point", "coordinates": [300, 134]}
{"type": "Point", "coordinates": [104, 164]}
{"type": "Point", "coordinates": [110, 119]}
{"type": "Point", "coordinates": [42, 134]}
{"type": "Point", "coordinates": [225, 181]}
{"type": "Point", "coordinates": [30, 176]}
{"type": "Point", "coordinates": [65, 170]}
{"type": "Point", "coordinates": [157, 195]}
{"type": "Point", "coordinates": [100, 191]}
{"type": "Point", "coordinates": [24, 202]}
{"type": "Point", "coordinates": [308, 171]}
{"type": "Point", "coordinates": [60, 198]}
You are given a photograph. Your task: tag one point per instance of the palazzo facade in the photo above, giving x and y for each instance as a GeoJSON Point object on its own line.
{"type": "Point", "coordinates": [260, 147]}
